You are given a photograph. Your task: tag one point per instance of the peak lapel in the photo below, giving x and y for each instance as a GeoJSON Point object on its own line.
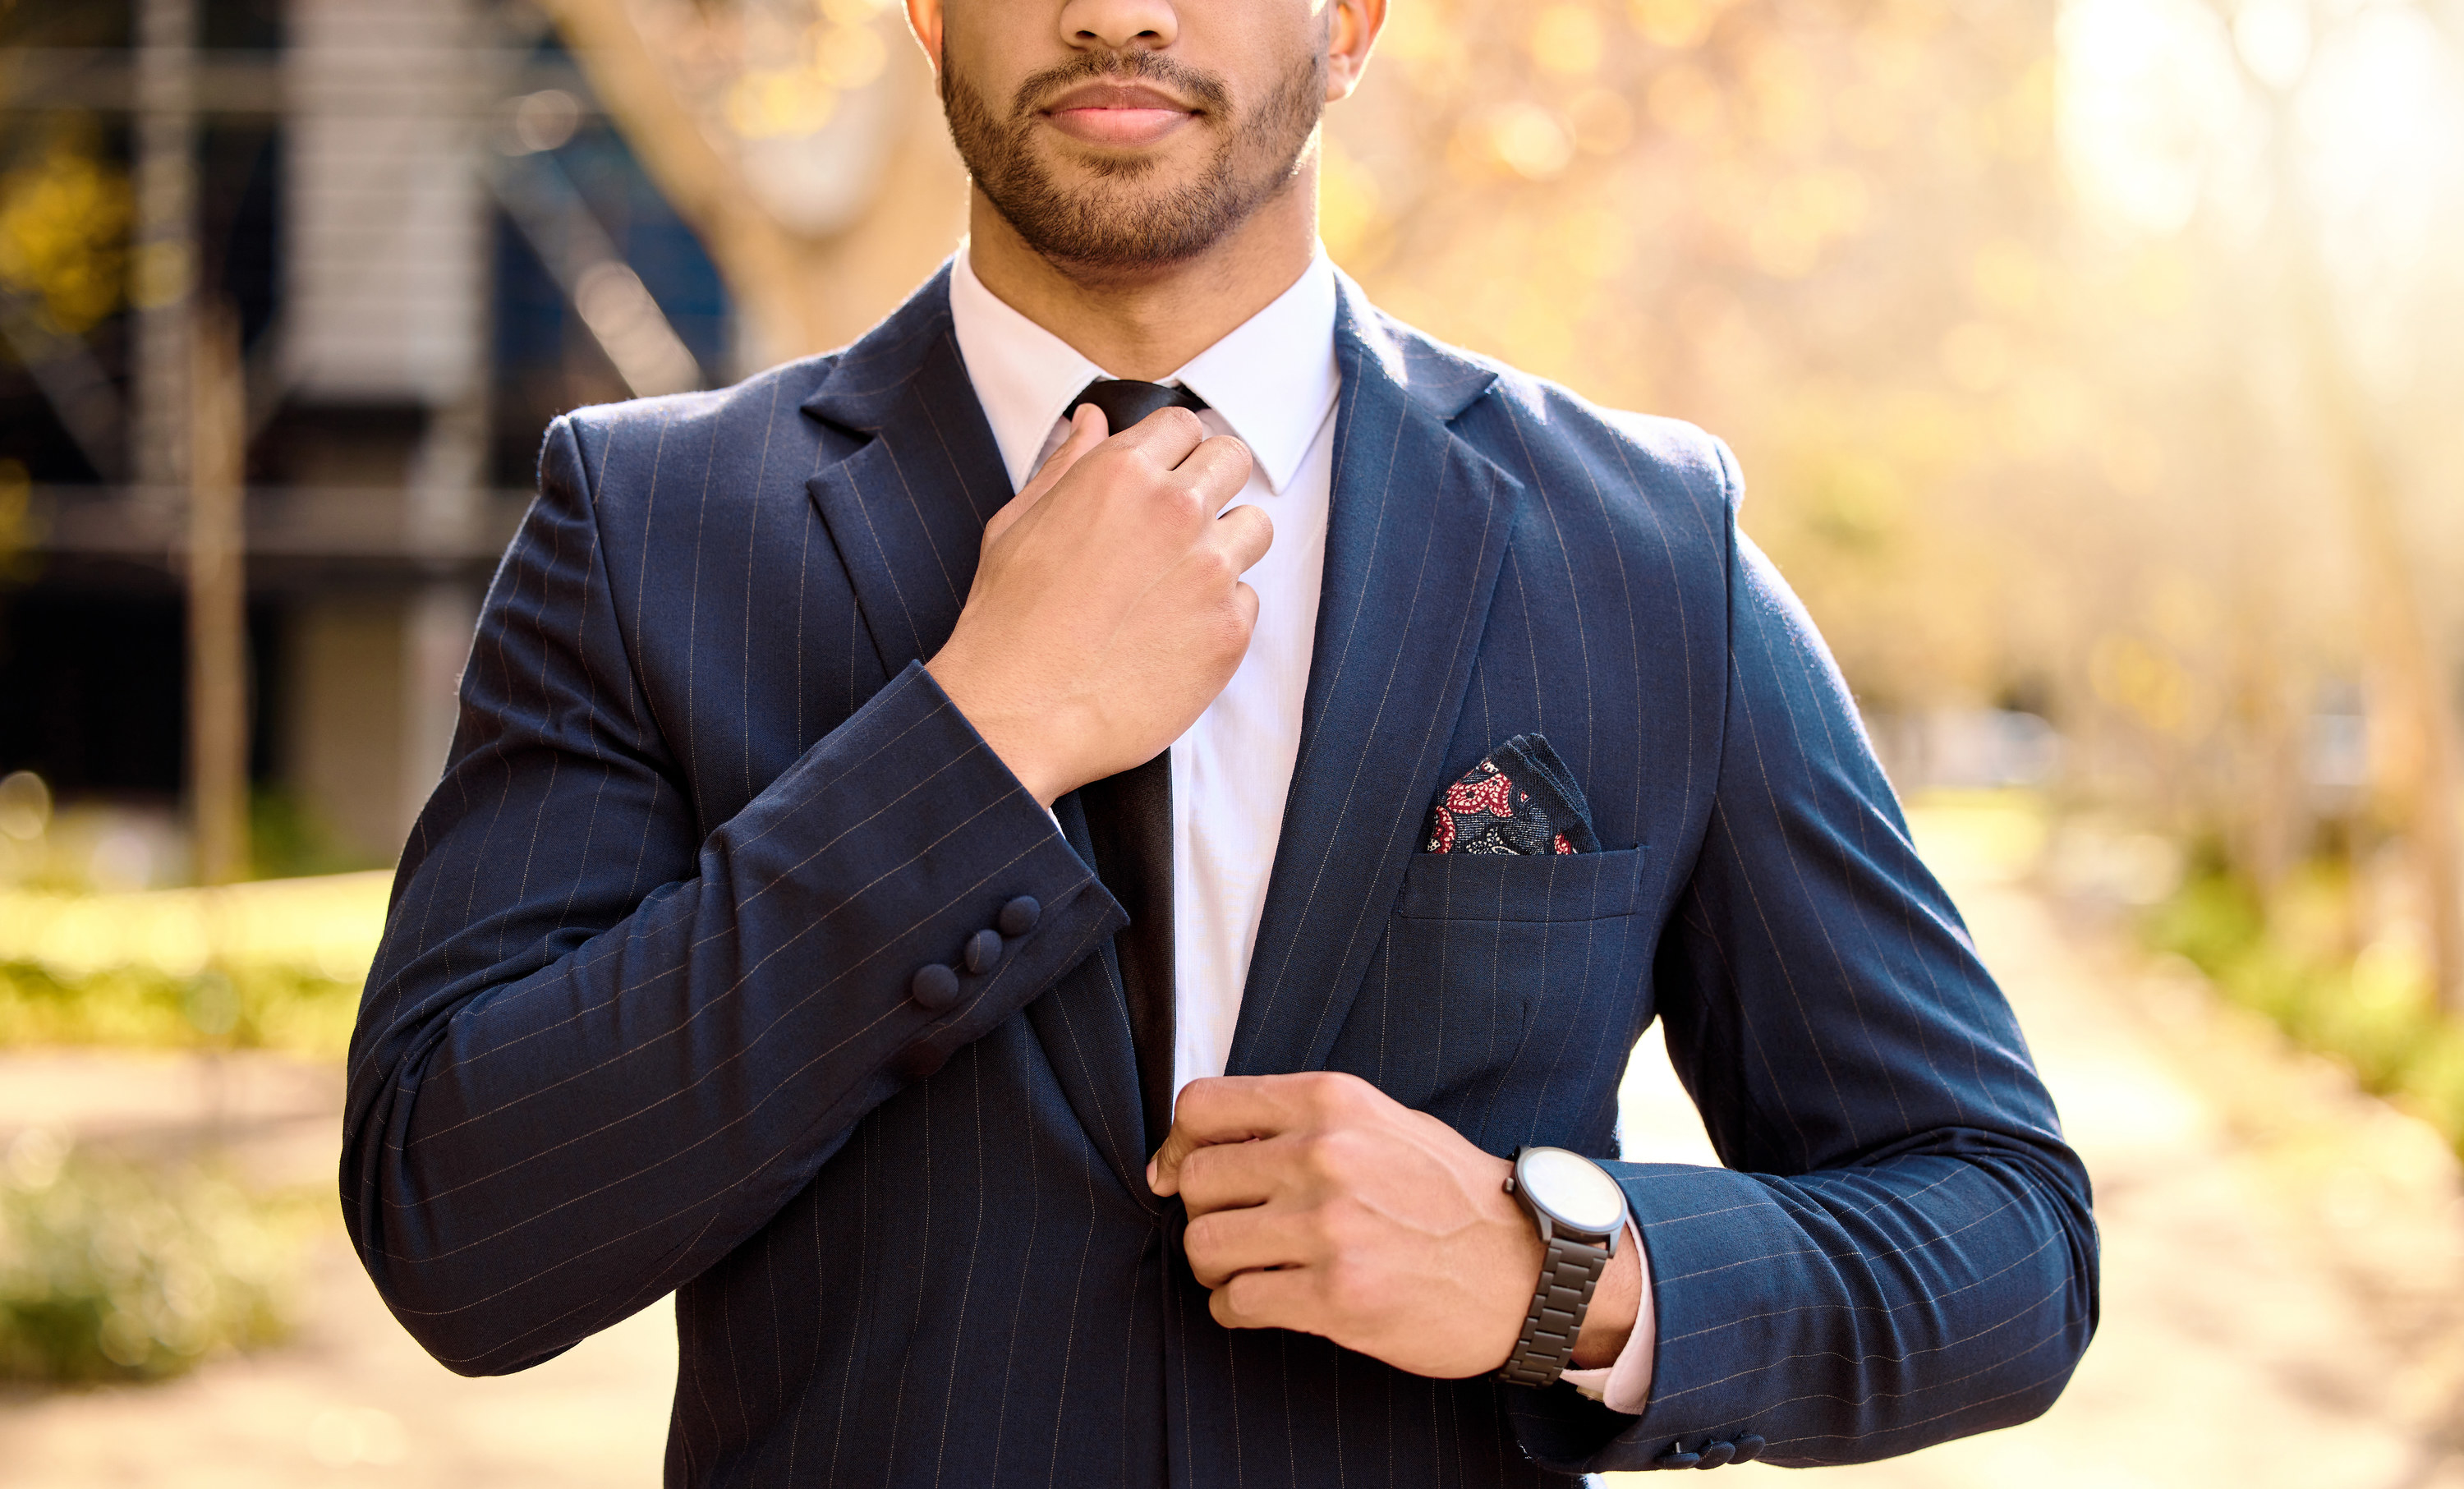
{"type": "Point", "coordinates": [907, 507]}
{"type": "Point", "coordinates": [1417, 531]}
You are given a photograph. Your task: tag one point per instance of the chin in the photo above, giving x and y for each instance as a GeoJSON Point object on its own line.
{"type": "Point", "coordinates": [1170, 165]}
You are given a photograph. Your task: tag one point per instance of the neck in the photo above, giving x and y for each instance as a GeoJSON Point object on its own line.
{"type": "Point", "coordinates": [1148, 322]}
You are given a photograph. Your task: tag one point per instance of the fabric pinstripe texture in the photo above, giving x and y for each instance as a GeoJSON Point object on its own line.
{"type": "Point", "coordinates": [641, 1019]}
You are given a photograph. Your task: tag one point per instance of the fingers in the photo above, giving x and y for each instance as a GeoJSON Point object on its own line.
{"type": "Point", "coordinates": [1244, 614]}
{"type": "Point", "coordinates": [1198, 473]}
{"type": "Point", "coordinates": [1212, 470]}
{"type": "Point", "coordinates": [1216, 468]}
{"type": "Point", "coordinates": [1235, 1108]}
{"type": "Point", "coordinates": [1217, 1109]}
{"type": "Point", "coordinates": [1236, 1175]}
{"type": "Point", "coordinates": [1285, 1299]}
{"type": "Point", "coordinates": [1244, 534]}
{"type": "Point", "coordinates": [1163, 1170]}
{"type": "Point", "coordinates": [1087, 431]}
{"type": "Point", "coordinates": [1167, 437]}
{"type": "Point", "coordinates": [1228, 1242]}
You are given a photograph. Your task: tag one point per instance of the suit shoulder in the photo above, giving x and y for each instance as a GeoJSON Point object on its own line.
{"type": "Point", "coordinates": [608, 435]}
{"type": "Point", "coordinates": [1537, 427]}
{"type": "Point", "coordinates": [1651, 458]}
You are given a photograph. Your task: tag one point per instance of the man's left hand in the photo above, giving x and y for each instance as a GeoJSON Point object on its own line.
{"type": "Point", "coordinates": [1319, 1203]}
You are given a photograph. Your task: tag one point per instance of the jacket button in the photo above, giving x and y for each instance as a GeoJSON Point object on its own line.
{"type": "Point", "coordinates": [983, 948]}
{"type": "Point", "coordinates": [1749, 1447]}
{"type": "Point", "coordinates": [1715, 1454]}
{"type": "Point", "coordinates": [934, 987]}
{"type": "Point", "coordinates": [1678, 1457]}
{"type": "Point", "coordinates": [1019, 916]}
{"type": "Point", "coordinates": [919, 1062]}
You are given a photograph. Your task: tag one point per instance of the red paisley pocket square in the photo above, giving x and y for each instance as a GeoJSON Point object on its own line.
{"type": "Point", "coordinates": [1519, 798]}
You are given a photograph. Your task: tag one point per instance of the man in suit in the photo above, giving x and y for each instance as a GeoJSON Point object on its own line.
{"type": "Point", "coordinates": [1139, 673]}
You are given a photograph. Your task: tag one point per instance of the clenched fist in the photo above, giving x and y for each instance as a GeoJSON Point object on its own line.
{"type": "Point", "coordinates": [1319, 1203]}
{"type": "Point", "coordinates": [1107, 611]}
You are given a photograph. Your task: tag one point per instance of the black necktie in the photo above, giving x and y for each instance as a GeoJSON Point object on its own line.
{"type": "Point", "coordinates": [1125, 402]}
{"type": "Point", "coordinates": [1128, 824]}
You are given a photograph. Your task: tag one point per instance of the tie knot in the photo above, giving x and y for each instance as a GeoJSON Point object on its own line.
{"type": "Point", "coordinates": [1125, 401]}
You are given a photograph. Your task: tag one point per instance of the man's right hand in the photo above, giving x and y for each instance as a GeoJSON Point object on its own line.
{"type": "Point", "coordinates": [1107, 611]}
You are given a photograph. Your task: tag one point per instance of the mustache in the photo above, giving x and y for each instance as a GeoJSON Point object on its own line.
{"type": "Point", "coordinates": [1204, 90]}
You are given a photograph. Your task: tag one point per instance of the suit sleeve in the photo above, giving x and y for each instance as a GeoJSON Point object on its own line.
{"type": "Point", "coordinates": [1901, 1249]}
{"type": "Point", "coordinates": [599, 1049]}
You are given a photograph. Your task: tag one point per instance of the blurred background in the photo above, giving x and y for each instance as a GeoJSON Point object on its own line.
{"type": "Point", "coordinates": [2098, 371]}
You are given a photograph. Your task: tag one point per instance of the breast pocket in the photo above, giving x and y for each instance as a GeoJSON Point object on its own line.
{"type": "Point", "coordinates": [1503, 981]}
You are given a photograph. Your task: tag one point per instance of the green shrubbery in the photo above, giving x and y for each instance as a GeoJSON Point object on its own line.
{"type": "Point", "coordinates": [117, 1270]}
{"type": "Point", "coordinates": [111, 1270]}
{"type": "Point", "coordinates": [2369, 1012]}
{"type": "Point", "coordinates": [250, 1007]}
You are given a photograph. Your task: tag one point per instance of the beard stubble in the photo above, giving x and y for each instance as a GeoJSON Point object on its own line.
{"type": "Point", "coordinates": [1123, 219]}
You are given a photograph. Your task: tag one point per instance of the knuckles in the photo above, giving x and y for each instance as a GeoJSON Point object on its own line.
{"type": "Point", "coordinates": [1351, 1287]}
{"type": "Point", "coordinates": [1201, 1239]}
{"type": "Point", "coordinates": [1326, 1153]}
{"type": "Point", "coordinates": [1236, 1300]}
{"type": "Point", "coordinates": [1181, 427]}
{"type": "Point", "coordinates": [1198, 1172]}
{"type": "Point", "coordinates": [1335, 1093]}
{"type": "Point", "coordinates": [1212, 567]}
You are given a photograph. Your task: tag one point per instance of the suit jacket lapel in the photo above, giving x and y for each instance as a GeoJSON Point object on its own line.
{"type": "Point", "coordinates": [1416, 534]}
{"type": "Point", "coordinates": [906, 508]}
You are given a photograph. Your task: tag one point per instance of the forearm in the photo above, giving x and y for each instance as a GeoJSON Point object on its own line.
{"type": "Point", "coordinates": [1850, 1314]}
{"type": "Point", "coordinates": [536, 1153]}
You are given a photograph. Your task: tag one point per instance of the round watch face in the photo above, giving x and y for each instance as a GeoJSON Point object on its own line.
{"type": "Point", "coordinates": [1571, 1188]}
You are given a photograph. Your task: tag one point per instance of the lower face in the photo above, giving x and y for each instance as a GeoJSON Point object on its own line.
{"type": "Point", "coordinates": [1124, 188]}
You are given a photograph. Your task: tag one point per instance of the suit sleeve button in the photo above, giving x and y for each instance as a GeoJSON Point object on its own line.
{"type": "Point", "coordinates": [934, 987]}
{"type": "Point", "coordinates": [983, 948]}
{"type": "Point", "coordinates": [1715, 1454]}
{"type": "Point", "coordinates": [1678, 1457]}
{"type": "Point", "coordinates": [1749, 1447]}
{"type": "Point", "coordinates": [1019, 916]}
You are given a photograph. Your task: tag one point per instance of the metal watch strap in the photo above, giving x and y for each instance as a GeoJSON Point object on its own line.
{"type": "Point", "coordinates": [1567, 1275]}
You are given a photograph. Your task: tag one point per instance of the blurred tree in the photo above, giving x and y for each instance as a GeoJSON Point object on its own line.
{"type": "Point", "coordinates": [803, 142]}
{"type": "Point", "coordinates": [217, 585]}
{"type": "Point", "coordinates": [2300, 166]}
{"type": "Point", "coordinates": [2417, 782]}
{"type": "Point", "coordinates": [1828, 229]}
{"type": "Point", "coordinates": [65, 214]}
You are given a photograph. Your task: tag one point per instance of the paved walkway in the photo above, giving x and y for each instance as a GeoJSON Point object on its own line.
{"type": "Point", "coordinates": [2283, 1278]}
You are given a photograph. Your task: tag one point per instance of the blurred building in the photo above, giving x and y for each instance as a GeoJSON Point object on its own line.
{"type": "Point", "coordinates": [433, 242]}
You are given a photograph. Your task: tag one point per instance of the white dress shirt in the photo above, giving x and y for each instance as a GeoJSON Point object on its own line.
{"type": "Point", "coordinates": [1271, 383]}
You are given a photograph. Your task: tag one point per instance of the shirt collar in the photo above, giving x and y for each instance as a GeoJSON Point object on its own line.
{"type": "Point", "coordinates": [1272, 378]}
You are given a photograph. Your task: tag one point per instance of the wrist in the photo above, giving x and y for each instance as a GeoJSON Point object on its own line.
{"type": "Point", "coordinates": [1518, 1273]}
{"type": "Point", "coordinates": [1022, 738]}
{"type": "Point", "coordinates": [1608, 1326]}
{"type": "Point", "coordinates": [1579, 1214]}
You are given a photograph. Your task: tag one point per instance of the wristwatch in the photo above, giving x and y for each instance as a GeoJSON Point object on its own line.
{"type": "Point", "coordinates": [1581, 1213]}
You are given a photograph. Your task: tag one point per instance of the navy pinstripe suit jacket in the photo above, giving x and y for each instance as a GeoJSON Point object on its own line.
{"type": "Point", "coordinates": [641, 1020]}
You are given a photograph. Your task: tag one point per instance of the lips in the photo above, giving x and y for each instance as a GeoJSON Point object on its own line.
{"type": "Point", "coordinates": [1116, 113]}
